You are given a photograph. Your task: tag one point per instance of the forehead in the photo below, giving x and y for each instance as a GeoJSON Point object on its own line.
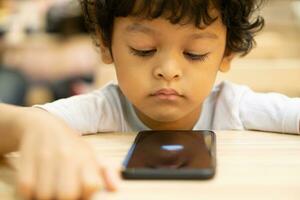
{"type": "Point", "coordinates": [138, 27]}
{"type": "Point", "coordinates": [203, 18]}
{"type": "Point", "coordinates": [162, 26]}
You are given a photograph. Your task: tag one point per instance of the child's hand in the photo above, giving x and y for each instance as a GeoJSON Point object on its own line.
{"type": "Point", "coordinates": [57, 164]}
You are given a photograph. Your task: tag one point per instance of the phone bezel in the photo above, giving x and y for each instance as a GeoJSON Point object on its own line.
{"type": "Point", "coordinates": [146, 173]}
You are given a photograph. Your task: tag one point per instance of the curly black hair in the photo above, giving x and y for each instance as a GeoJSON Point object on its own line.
{"type": "Point", "coordinates": [236, 16]}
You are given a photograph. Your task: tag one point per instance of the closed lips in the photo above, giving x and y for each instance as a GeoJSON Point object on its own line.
{"type": "Point", "coordinates": [167, 92]}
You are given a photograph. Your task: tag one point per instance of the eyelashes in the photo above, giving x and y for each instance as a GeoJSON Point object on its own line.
{"type": "Point", "coordinates": [196, 57]}
{"type": "Point", "coordinates": [151, 52]}
{"type": "Point", "coordinates": [142, 53]}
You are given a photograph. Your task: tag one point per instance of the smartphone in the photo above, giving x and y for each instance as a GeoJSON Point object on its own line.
{"type": "Point", "coordinates": [171, 155]}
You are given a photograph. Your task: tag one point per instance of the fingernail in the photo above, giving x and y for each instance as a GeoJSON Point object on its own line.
{"type": "Point", "coordinates": [24, 191]}
{"type": "Point", "coordinates": [114, 179]}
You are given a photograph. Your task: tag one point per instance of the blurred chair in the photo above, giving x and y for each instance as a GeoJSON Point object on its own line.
{"type": "Point", "coordinates": [13, 87]}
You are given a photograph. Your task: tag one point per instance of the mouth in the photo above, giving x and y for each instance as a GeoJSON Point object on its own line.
{"type": "Point", "coordinates": [167, 94]}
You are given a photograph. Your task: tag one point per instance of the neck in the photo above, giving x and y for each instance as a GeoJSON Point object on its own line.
{"type": "Point", "coordinates": [185, 123]}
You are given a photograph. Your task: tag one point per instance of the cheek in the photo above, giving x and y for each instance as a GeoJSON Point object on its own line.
{"type": "Point", "coordinates": [131, 76]}
{"type": "Point", "coordinates": [200, 90]}
{"type": "Point", "coordinates": [200, 81]}
{"type": "Point", "coordinates": [129, 70]}
{"type": "Point", "coordinates": [132, 81]}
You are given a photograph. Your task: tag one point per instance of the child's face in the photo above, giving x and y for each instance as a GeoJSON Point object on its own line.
{"type": "Point", "coordinates": [167, 70]}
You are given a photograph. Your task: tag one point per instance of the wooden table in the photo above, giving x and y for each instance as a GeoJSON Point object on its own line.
{"type": "Point", "coordinates": [251, 165]}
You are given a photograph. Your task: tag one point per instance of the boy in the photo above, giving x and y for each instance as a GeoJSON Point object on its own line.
{"type": "Point", "coordinates": [166, 54]}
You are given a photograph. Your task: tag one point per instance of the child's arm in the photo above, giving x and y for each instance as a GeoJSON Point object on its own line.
{"type": "Point", "coordinates": [238, 107]}
{"type": "Point", "coordinates": [270, 112]}
{"type": "Point", "coordinates": [55, 163]}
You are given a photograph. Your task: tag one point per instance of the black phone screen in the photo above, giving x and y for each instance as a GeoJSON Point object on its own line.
{"type": "Point", "coordinates": [171, 154]}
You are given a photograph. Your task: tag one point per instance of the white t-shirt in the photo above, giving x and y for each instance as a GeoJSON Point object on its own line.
{"type": "Point", "coordinates": [228, 107]}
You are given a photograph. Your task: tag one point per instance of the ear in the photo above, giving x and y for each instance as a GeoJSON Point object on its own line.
{"type": "Point", "coordinates": [106, 55]}
{"type": "Point", "coordinates": [226, 62]}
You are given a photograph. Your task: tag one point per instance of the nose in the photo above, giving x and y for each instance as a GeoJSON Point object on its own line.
{"type": "Point", "coordinates": [168, 70]}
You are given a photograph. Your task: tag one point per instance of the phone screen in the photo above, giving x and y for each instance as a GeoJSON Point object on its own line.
{"type": "Point", "coordinates": [171, 154]}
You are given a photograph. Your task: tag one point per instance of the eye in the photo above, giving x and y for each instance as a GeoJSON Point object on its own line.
{"type": "Point", "coordinates": [142, 53]}
{"type": "Point", "coordinates": [195, 57]}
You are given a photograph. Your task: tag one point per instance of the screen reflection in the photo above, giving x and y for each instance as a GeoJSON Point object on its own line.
{"type": "Point", "coordinates": [172, 149]}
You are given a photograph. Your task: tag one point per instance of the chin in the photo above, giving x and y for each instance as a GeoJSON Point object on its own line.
{"type": "Point", "coordinates": [165, 117]}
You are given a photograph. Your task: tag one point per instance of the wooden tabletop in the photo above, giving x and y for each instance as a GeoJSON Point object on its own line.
{"type": "Point", "coordinates": [250, 165]}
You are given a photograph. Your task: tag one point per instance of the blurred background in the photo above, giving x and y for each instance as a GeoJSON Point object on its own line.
{"type": "Point", "coordinates": [47, 54]}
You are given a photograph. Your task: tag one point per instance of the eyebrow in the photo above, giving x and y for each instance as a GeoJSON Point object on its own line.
{"type": "Point", "coordinates": [203, 35]}
{"type": "Point", "coordinates": [136, 27]}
